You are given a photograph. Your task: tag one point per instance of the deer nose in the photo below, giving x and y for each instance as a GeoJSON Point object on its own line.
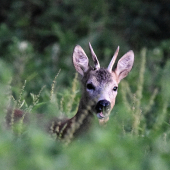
{"type": "Point", "coordinates": [103, 106]}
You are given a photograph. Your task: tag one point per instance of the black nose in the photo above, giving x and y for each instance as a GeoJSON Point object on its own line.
{"type": "Point", "coordinates": [103, 106]}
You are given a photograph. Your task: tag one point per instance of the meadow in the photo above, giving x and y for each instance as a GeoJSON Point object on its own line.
{"type": "Point", "coordinates": [37, 76]}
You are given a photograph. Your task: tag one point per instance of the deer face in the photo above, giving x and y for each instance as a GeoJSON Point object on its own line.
{"type": "Point", "coordinates": [100, 85]}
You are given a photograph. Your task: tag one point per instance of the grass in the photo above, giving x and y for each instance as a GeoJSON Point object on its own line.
{"type": "Point", "coordinates": [128, 141]}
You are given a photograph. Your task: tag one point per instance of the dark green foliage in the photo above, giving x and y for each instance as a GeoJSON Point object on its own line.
{"type": "Point", "coordinates": [52, 28]}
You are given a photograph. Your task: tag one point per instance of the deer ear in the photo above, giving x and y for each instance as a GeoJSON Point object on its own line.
{"type": "Point", "coordinates": [124, 65]}
{"type": "Point", "coordinates": [80, 60]}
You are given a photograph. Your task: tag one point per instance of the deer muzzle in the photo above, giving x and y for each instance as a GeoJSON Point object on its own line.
{"type": "Point", "coordinates": [103, 108]}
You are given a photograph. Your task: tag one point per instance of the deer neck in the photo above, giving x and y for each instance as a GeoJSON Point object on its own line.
{"type": "Point", "coordinates": [76, 125]}
{"type": "Point", "coordinates": [84, 111]}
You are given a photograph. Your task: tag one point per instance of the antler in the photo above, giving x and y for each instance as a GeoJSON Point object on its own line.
{"type": "Point", "coordinates": [95, 60]}
{"type": "Point", "coordinates": [109, 68]}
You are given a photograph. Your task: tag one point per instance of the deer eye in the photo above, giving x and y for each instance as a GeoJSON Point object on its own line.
{"type": "Point", "coordinates": [115, 88]}
{"type": "Point", "coordinates": [90, 86]}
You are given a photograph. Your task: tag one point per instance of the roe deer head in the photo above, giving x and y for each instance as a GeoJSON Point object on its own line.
{"type": "Point", "coordinates": [100, 87]}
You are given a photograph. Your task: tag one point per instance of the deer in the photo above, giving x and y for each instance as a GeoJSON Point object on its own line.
{"type": "Point", "coordinates": [99, 91]}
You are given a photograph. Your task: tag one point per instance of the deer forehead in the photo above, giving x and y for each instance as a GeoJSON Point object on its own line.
{"type": "Point", "coordinates": [101, 77]}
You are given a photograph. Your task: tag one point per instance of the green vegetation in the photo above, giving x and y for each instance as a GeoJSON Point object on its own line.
{"type": "Point", "coordinates": [37, 76]}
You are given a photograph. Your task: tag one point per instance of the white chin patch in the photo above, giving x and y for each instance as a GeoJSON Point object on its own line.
{"type": "Point", "coordinates": [100, 115]}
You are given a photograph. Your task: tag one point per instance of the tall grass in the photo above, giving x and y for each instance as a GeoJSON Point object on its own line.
{"type": "Point", "coordinates": [108, 147]}
{"type": "Point", "coordinates": [133, 101]}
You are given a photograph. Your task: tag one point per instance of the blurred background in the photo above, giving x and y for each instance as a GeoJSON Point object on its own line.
{"type": "Point", "coordinates": [51, 28]}
{"type": "Point", "coordinates": [37, 39]}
